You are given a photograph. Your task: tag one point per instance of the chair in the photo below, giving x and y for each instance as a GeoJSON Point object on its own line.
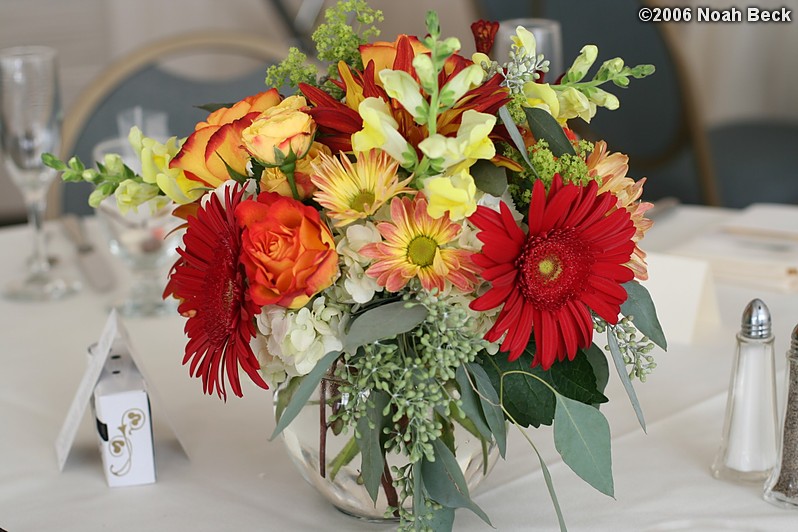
{"type": "Point", "coordinates": [141, 79]}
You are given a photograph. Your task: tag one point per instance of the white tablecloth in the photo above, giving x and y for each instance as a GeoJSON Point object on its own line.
{"type": "Point", "coordinates": [236, 480]}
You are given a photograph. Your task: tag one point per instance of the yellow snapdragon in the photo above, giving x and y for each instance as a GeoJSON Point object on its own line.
{"type": "Point", "coordinates": [155, 158]}
{"type": "Point", "coordinates": [454, 194]}
{"type": "Point", "coordinates": [380, 131]}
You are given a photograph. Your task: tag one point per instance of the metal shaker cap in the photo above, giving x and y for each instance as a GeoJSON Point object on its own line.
{"type": "Point", "coordinates": [756, 320]}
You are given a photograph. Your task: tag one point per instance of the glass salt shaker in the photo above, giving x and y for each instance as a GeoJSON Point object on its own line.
{"type": "Point", "coordinates": [748, 448]}
{"type": "Point", "coordinates": [781, 488]}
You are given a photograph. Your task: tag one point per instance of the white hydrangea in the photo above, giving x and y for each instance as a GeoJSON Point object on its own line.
{"type": "Point", "coordinates": [221, 190]}
{"type": "Point", "coordinates": [359, 287]}
{"type": "Point", "coordinates": [291, 342]}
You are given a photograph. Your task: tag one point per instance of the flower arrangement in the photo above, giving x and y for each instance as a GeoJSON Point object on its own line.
{"type": "Point", "coordinates": [421, 236]}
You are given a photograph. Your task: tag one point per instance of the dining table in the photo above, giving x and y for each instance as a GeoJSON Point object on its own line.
{"type": "Point", "coordinates": [217, 469]}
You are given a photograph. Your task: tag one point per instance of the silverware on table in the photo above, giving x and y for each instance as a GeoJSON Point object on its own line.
{"type": "Point", "coordinates": [93, 265]}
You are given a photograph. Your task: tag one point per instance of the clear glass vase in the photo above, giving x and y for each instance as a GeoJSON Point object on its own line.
{"type": "Point", "coordinates": [330, 462]}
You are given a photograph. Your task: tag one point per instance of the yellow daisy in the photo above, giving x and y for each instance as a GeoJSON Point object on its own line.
{"type": "Point", "coordinates": [413, 246]}
{"type": "Point", "coordinates": [352, 191]}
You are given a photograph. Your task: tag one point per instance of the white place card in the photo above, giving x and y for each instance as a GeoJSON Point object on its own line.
{"type": "Point", "coordinates": [683, 292]}
{"type": "Point", "coordinates": [757, 247]}
{"type": "Point", "coordinates": [115, 384]}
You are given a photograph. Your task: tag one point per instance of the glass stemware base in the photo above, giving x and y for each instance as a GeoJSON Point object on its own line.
{"type": "Point", "coordinates": [40, 287]}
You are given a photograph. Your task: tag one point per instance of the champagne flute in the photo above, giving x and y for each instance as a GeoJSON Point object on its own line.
{"type": "Point", "coordinates": [30, 121]}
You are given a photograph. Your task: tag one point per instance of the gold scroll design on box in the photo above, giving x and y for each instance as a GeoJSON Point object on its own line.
{"type": "Point", "coordinates": [121, 446]}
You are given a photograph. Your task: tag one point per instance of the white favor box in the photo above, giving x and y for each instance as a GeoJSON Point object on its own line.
{"type": "Point", "coordinates": [124, 426]}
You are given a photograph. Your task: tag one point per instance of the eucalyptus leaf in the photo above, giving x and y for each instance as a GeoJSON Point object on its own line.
{"type": "Point", "coordinates": [383, 322]}
{"type": "Point", "coordinates": [419, 493]}
{"type": "Point", "coordinates": [639, 305]}
{"type": "Point", "coordinates": [303, 392]}
{"type": "Point", "coordinates": [441, 519]}
{"type": "Point", "coordinates": [369, 428]}
{"type": "Point", "coordinates": [346, 455]}
{"type": "Point", "coordinates": [582, 437]}
{"type": "Point", "coordinates": [285, 395]}
{"type": "Point", "coordinates": [445, 483]}
{"type": "Point", "coordinates": [489, 400]}
{"type": "Point", "coordinates": [470, 403]}
{"type": "Point", "coordinates": [545, 127]}
{"type": "Point", "coordinates": [550, 487]}
{"type": "Point", "coordinates": [515, 135]}
{"type": "Point", "coordinates": [488, 177]}
{"type": "Point", "coordinates": [620, 366]}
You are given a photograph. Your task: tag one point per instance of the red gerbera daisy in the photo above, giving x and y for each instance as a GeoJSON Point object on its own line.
{"type": "Point", "coordinates": [209, 280]}
{"type": "Point", "coordinates": [570, 262]}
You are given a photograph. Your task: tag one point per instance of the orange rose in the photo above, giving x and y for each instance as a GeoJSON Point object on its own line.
{"type": "Point", "coordinates": [398, 55]}
{"type": "Point", "coordinates": [288, 253]}
{"type": "Point", "coordinates": [384, 53]}
{"type": "Point", "coordinates": [279, 132]}
{"type": "Point", "coordinates": [218, 141]}
{"type": "Point", "coordinates": [273, 180]}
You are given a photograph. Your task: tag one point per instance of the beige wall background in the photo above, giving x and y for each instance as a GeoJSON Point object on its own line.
{"type": "Point", "coordinates": [739, 71]}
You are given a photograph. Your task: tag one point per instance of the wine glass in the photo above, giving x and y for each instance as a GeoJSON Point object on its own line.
{"type": "Point", "coordinates": [145, 240]}
{"type": "Point", "coordinates": [548, 39]}
{"type": "Point", "coordinates": [30, 121]}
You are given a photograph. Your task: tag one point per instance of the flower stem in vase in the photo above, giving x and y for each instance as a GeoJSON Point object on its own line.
{"type": "Point", "coordinates": [323, 428]}
{"type": "Point", "coordinates": [390, 489]}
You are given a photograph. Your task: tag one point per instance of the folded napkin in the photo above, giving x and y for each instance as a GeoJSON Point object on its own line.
{"type": "Point", "coordinates": [757, 247]}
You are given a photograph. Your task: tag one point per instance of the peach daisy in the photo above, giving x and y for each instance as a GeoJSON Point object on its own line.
{"type": "Point", "coordinates": [414, 246]}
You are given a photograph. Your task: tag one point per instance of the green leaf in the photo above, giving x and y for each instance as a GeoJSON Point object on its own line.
{"type": "Point", "coordinates": [470, 403]}
{"type": "Point", "coordinates": [285, 395]}
{"type": "Point", "coordinates": [489, 178]}
{"type": "Point", "coordinates": [303, 392]}
{"type": "Point", "coordinates": [576, 379]}
{"type": "Point", "coordinates": [601, 368]}
{"type": "Point", "coordinates": [545, 127]}
{"type": "Point", "coordinates": [419, 493]}
{"type": "Point", "coordinates": [515, 135]}
{"type": "Point", "coordinates": [383, 322]}
{"type": "Point", "coordinates": [620, 366]}
{"type": "Point", "coordinates": [441, 520]}
{"type": "Point", "coordinates": [445, 483]}
{"type": "Point", "coordinates": [346, 455]}
{"type": "Point", "coordinates": [582, 437]}
{"type": "Point", "coordinates": [529, 401]}
{"type": "Point", "coordinates": [550, 487]}
{"type": "Point", "coordinates": [489, 400]}
{"type": "Point", "coordinates": [53, 162]}
{"type": "Point", "coordinates": [369, 428]}
{"type": "Point", "coordinates": [641, 307]}
{"type": "Point", "coordinates": [211, 107]}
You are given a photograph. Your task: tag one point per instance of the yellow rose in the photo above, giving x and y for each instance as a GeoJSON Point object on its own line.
{"type": "Point", "coordinates": [274, 180]}
{"type": "Point", "coordinates": [279, 132]}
